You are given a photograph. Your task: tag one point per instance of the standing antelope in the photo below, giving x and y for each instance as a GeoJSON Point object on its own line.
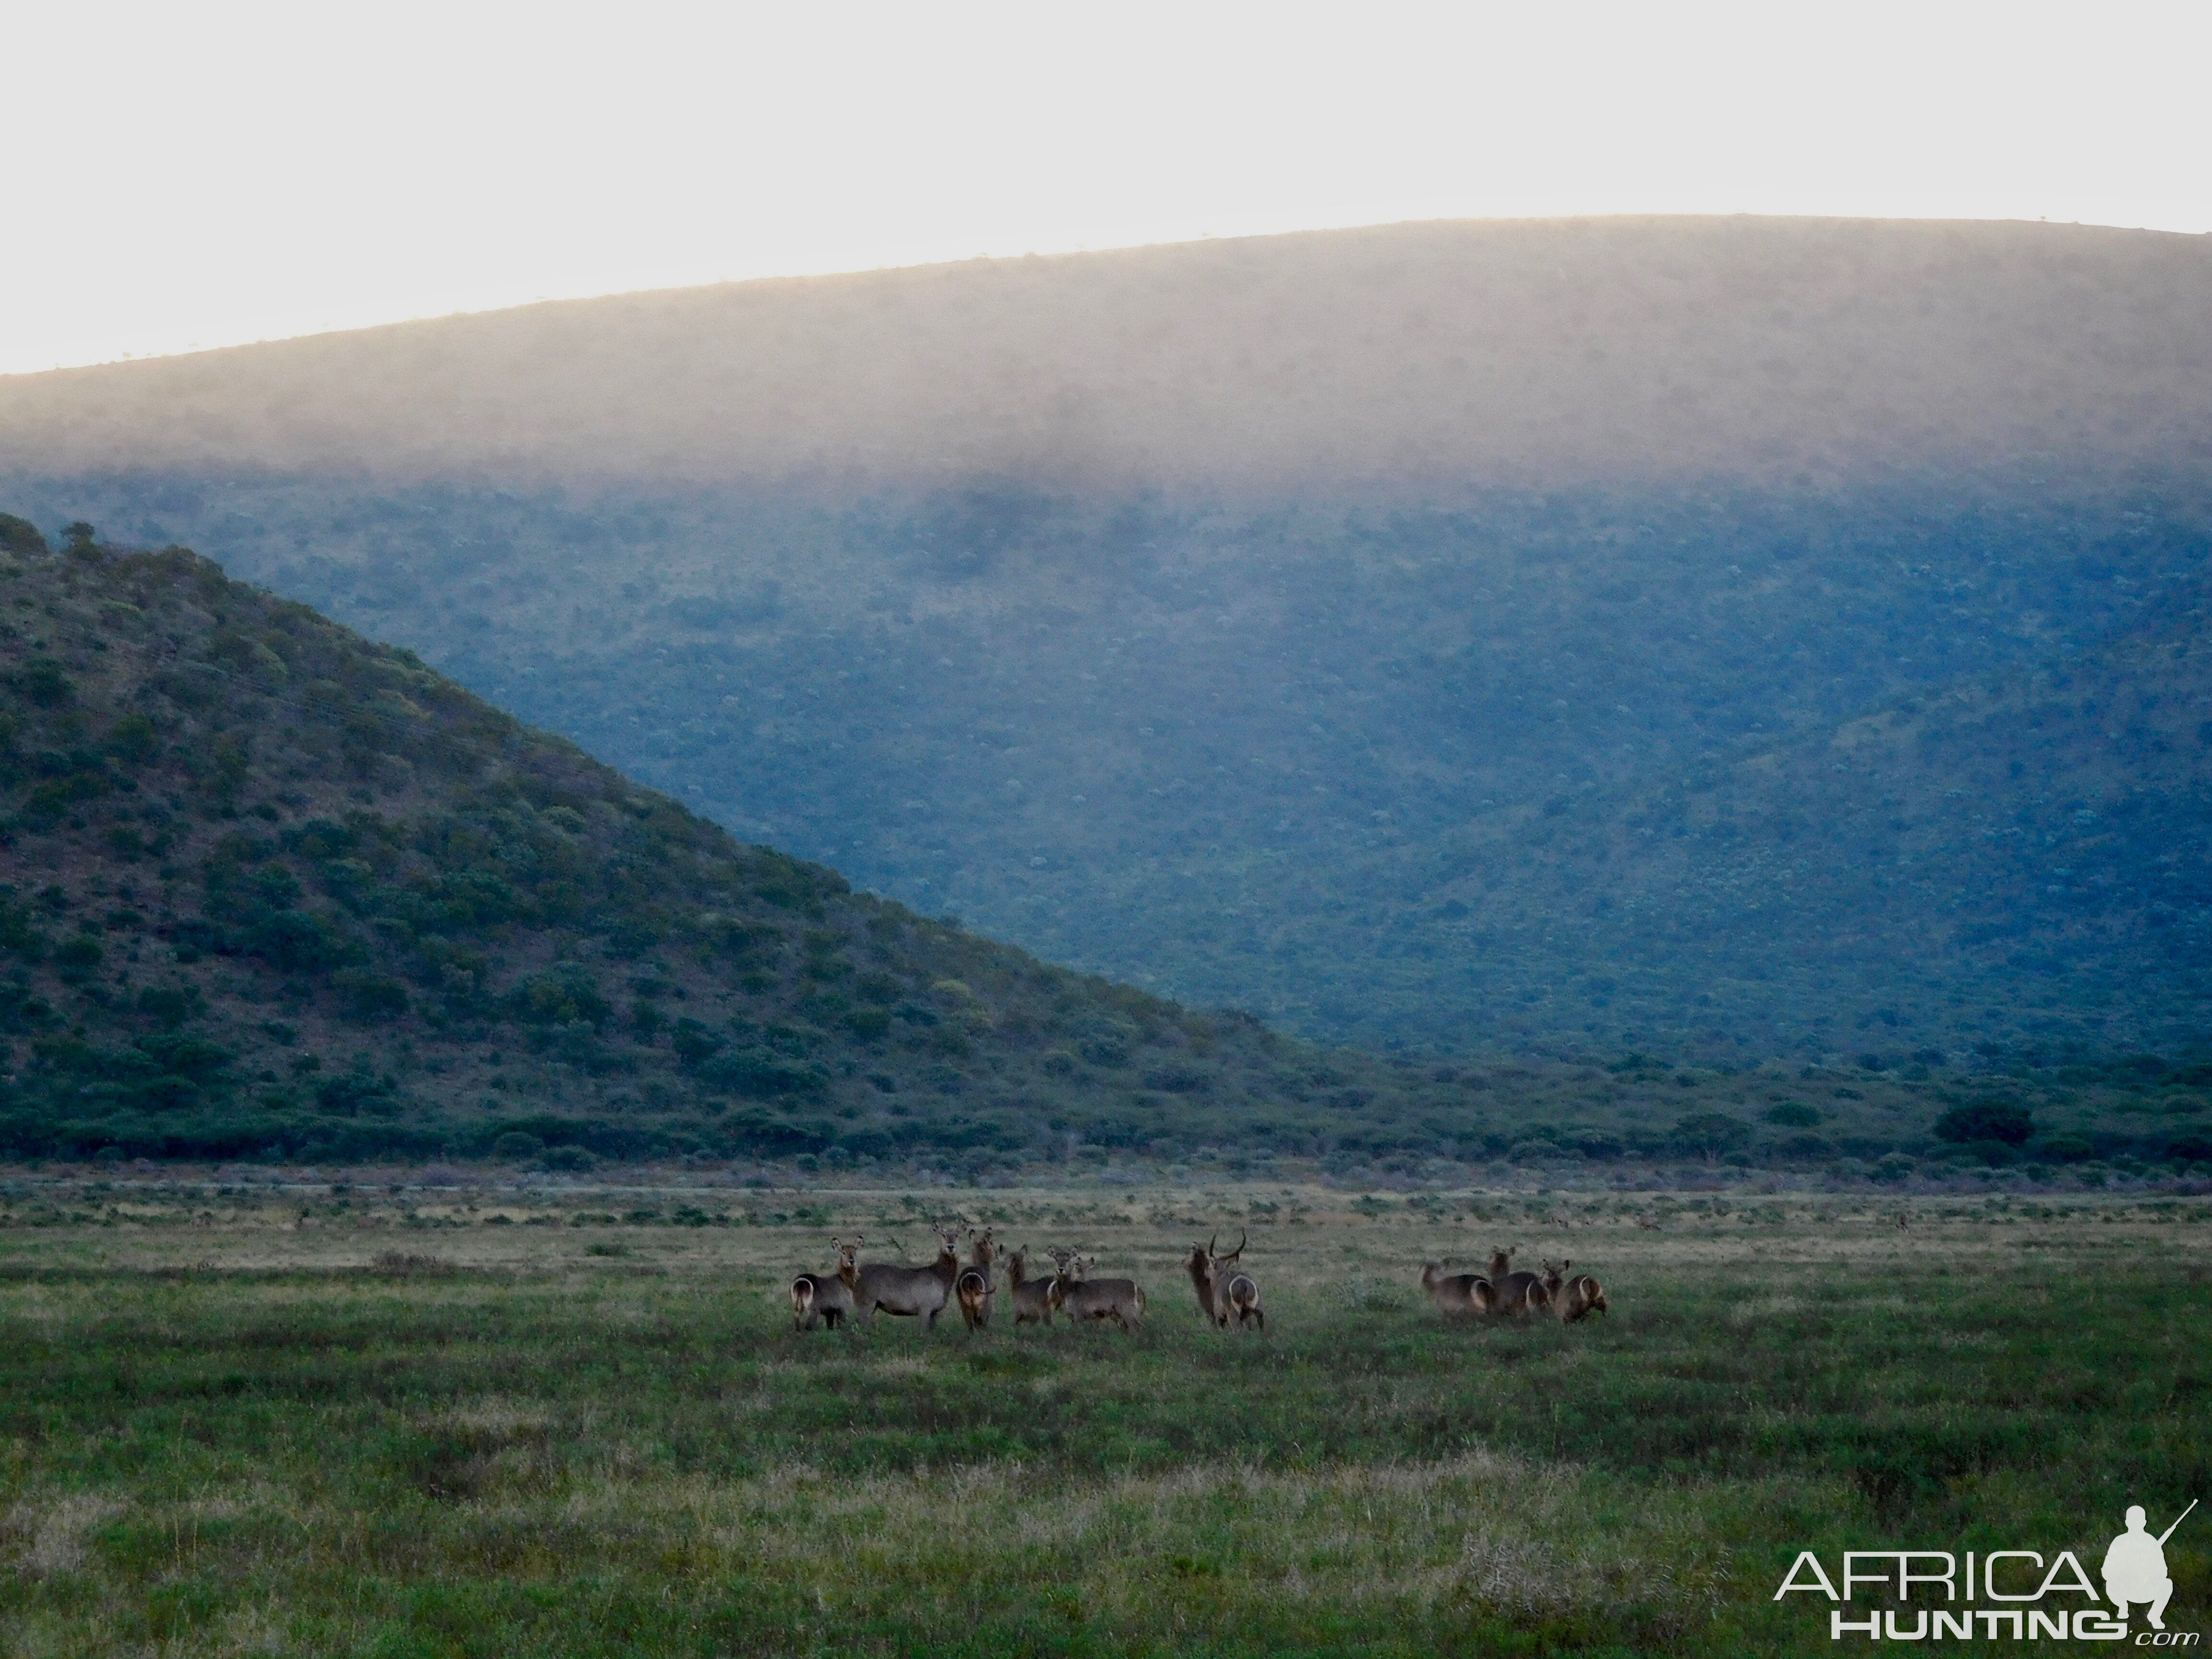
{"type": "Point", "coordinates": [816, 1300]}
{"type": "Point", "coordinates": [1515, 1293]}
{"type": "Point", "coordinates": [1035, 1300]}
{"type": "Point", "coordinates": [1457, 1296]}
{"type": "Point", "coordinates": [1083, 1298]}
{"type": "Point", "coordinates": [977, 1288]}
{"type": "Point", "coordinates": [909, 1292]}
{"type": "Point", "coordinates": [1574, 1295]}
{"type": "Point", "coordinates": [1199, 1264]}
{"type": "Point", "coordinates": [1236, 1292]}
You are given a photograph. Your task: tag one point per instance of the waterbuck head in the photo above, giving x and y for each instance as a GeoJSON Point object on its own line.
{"type": "Point", "coordinates": [849, 1259]}
{"type": "Point", "coordinates": [982, 1247]}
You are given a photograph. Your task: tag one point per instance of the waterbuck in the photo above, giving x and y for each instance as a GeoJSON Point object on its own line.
{"type": "Point", "coordinates": [1518, 1294]}
{"type": "Point", "coordinates": [1035, 1300]}
{"type": "Point", "coordinates": [1457, 1296]}
{"type": "Point", "coordinates": [909, 1291]}
{"type": "Point", "coordinates": [1083, 1298]}
{"type": "Point", "coordinates": [1236, 1292]}
{"type": "Point", "coordinates": [1199, 1264]}
{"type": "Point", "coordinates": [977, 1287]}
{"type": "Point", "coordinates": [1574, 1295]}
{"type": "Point", "coordinates": [819, 1300]}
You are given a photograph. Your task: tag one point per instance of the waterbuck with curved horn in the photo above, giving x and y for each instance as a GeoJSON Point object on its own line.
{"type": "Point", "coordinates": [1457, 1296]}
{"type": "Point", "coordinates": [1035, 1300]}
{"type": "Point", "coordinates": [1518, 1294]}
{"type": "Point", "coordinates": [1574, 1295]}
{"type": "Point", "coordinates": [1236, 1292]}
{"type": "Point", "coordinates": [816, 1300]}
{"type": "Point", "coordinates": [1085, 1299]}
{"type": "Point", "coordinates": [977, 1287]}
{"type": "Point", "coordinates": [910, 1293]}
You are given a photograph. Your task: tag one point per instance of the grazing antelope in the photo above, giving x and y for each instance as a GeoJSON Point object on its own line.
{"type": "Point", "coordinates": [1035, 1300]}
{"type": "Point", "coordinates": [1518, 1294]}
{"type": "Point", "coordinates": [909, 1292]}
{"type": "Point", "coordinates": [1574, 1295]}
{"type": "Point", "coordinates": [1236, 1292]}
{"type": "Point", "coordinates": [977, 1288]}
{"type": "Point", "coordinates": [816, 1299]}
{"type": "Point", "coordinates": [1083, 1298]}
{"type": "Point", "coordinates": [1457, 1296]}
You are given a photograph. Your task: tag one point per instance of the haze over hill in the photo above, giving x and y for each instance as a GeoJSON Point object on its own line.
{"type": "Point", "coordinates": [1413, 355]}
{"type": "Point", "coordinates": [1205, 616]}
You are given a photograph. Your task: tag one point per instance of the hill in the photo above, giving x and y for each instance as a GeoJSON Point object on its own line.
{"type": "Point", "coordinates": [2016, 860]}
{"type": "Point", "coordinates": [1231, 757]}
{"type": "Point", "coordinates": [272, 887]}
{"type": "Point", "coordinates": [1400, 357]}
{"type": "Point", "coordinates": [1219, 689]}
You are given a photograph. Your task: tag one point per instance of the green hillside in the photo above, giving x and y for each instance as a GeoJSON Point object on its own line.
{"type": "Point", "coordinates": [2022, 860]}
{"type": "Point", "coordinates": [270, 888]}
{"type": "Point", "coordinates": [273, 886]}
{"type": "Point", "coordinates": [1231, 755]}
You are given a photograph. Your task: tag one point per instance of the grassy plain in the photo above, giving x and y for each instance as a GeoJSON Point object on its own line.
{"type": "Point", "coordinates": [496, 1420]}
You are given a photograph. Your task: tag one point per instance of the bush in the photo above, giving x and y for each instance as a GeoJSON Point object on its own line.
{"type": "Point", "coordinates": [516, 1143]}
{"type": "Point", "coordinates": [1709, 1134]}
{"type": "Point", "coordinates": [1986, 1120]}
{"type": "Point", "coordinates": [2189, 1149]}
{"type": "Point", "coordinates": [1793, 1115]}
{"type": "Point", "coordinates": [21, 535]}
{"type": "Point", "coordinates": [572, 1158]}
{"type": "Point", "coordinates": [1890, 1168]}
{"type": "Point", "coordinates": [2064, 1149]}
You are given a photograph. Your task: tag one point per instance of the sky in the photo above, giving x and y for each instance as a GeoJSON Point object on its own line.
{"type": "Point", "coordinates": [177, 178]}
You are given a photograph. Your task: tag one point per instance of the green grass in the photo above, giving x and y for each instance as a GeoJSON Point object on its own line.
{"type": "Point", "coordinates": [243, 1436]}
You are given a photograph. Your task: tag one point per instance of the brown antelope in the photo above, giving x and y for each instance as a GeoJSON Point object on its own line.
{"type": "Point", "coordinates": [1035, 1300]}
{"type": "Point", "coordinates": [1199, 1264]}
{"type": "Point", "coordinates": [909, 1292]}
{"type": "Point", "coordinates": [1457, 1296]}
{"type": "Point", "coordinates": [1083, 1298]}
{"type": "Point", "coordinates": [977, 1288]}
{"type": "Point", "coordinates": [816, 1299]}
{"type": "Point", "coordinates": [1236, 1292]}
{"type": "Point", "coordinates": [1574, 1295]}
{"type": "Point", "coordinates": [1518, 1294]}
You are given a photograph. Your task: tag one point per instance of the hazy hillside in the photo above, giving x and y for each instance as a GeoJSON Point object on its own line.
{"type": "Point", "coordinates": [1405, 355]}
{"type": "Point", "coordinates": [1214, 688]}
{"type": "Point", "coordinates": [2021, 859]}
{"type": "Point", "coordinates": [269, 884]}
{"type": "Point", "coordinates": [1226, 755]}
{"type": "Point", "coordinates": [269, 887]}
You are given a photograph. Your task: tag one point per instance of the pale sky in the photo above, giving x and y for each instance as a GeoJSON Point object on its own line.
{"type": "Point", "coordinates": [175, 177]}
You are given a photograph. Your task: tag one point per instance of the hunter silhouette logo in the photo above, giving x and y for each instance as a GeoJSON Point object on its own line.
{"type": "Point", "coordinates": [2134, 1567]}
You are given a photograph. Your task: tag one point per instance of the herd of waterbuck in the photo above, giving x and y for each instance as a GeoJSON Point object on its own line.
{"type": "Point", "coordinates": [1227, 1294]}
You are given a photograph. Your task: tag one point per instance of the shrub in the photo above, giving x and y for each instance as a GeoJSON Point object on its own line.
{"type": "Point", "coordinates": [1793, 1115]}
{"type": "Point", "coordinates": [1709, 1134]}
{"type": "Point", "coordinates": [516, 1143]}
{"type": "Point", "coordinates": [21, 535]}
{"type": "Point", "coordinates": [1986, 1120]}
{"type": "Point", "coordinates": [2189, 1149]}
{"type": "Point", "coordinates": [574, 1159]}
